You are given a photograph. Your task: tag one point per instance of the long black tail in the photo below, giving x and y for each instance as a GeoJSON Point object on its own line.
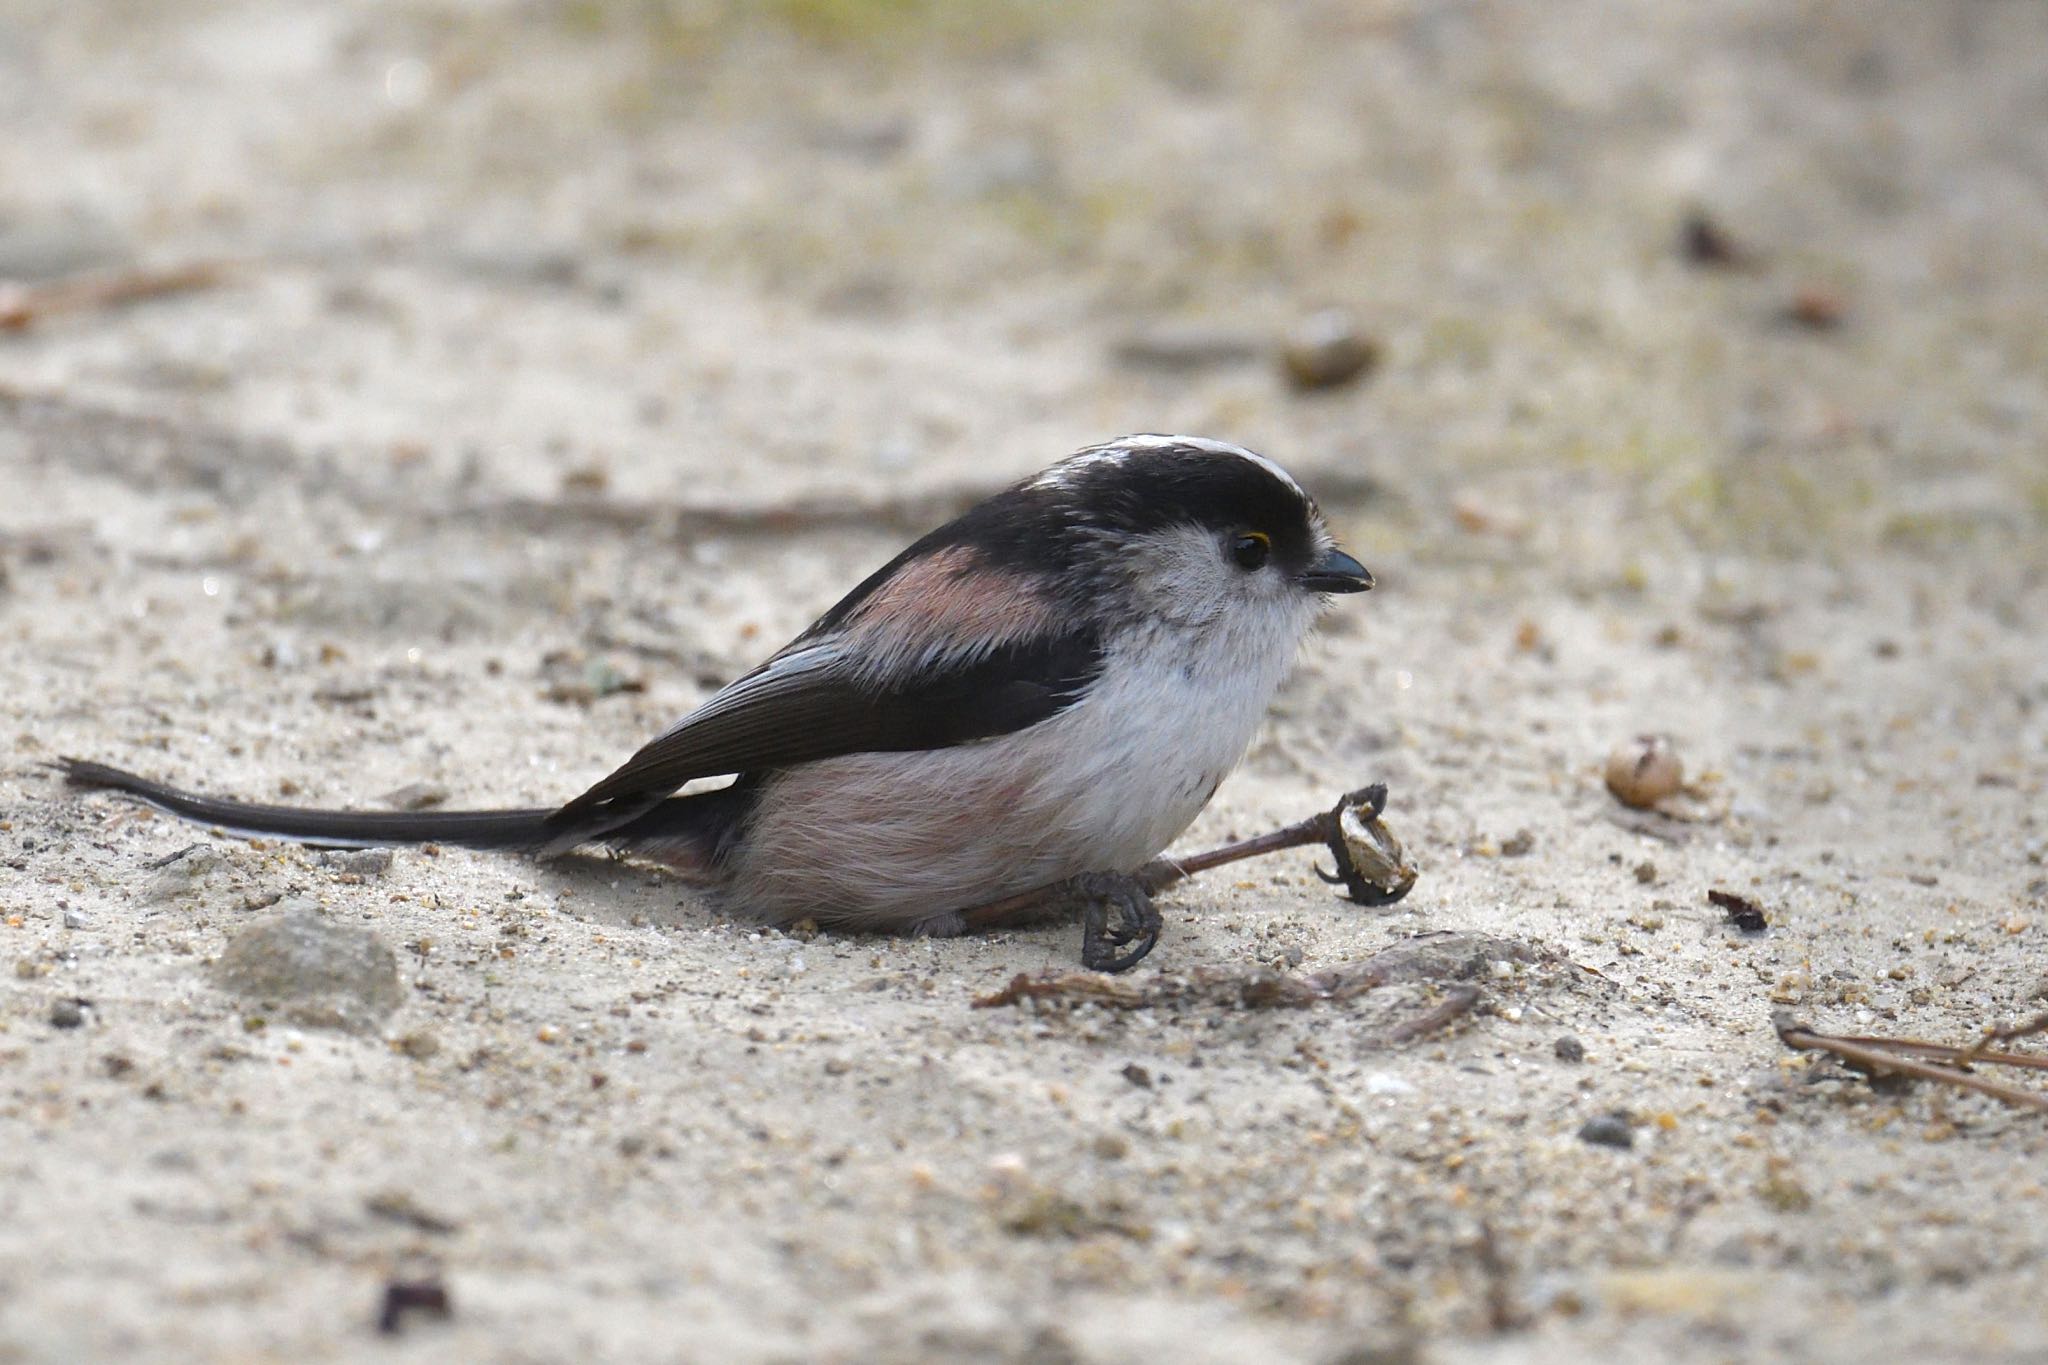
{"type": "Point", "coordinates": [508, 829]}
{"type": "Point", "coordinates": [683, 829]}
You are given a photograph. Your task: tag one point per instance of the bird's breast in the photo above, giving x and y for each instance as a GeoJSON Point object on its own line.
{"type": "Point", "coordinates": [888, 840]}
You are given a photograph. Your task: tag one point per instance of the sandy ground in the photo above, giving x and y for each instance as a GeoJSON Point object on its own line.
{"type": "Point", "coordinates": [467, 476]}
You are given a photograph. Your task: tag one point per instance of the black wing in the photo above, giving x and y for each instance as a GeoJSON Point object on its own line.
{"type": "Point", "coordinates": [809, 703]}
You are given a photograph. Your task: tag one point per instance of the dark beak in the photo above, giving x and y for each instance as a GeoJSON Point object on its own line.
{"type": "Point", "coordinates": [1336, 572]}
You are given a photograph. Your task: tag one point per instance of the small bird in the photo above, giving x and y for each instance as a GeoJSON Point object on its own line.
{"type": "Point", "coordinates": [1009, 719]}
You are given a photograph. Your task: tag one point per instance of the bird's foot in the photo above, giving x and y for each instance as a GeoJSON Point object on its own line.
{"type": "Point", "coordinates": [1119, 923]}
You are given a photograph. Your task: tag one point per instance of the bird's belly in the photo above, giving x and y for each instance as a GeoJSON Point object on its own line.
{"type": "Point", "coordinates": [894, 840]}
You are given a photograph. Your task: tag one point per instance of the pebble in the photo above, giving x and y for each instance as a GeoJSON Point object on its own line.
{"type": "Point", "coordinates": [1608, 1130]}
{"type": "Point", "coordinates": [360, 862]}
{"type": "Point", "coordinates": [319, 973]}
{"type": "Point", "coordinates": [66, 1014]}
{"type": "Point", "coordinates": [1644, 771]}
{"type": "Point", "coordinates": [418, 1045]}
{"type": "Point", "coordinates": [1569, 1049]}
{"type": "Point", "coordinates": [75, 919]}
{"type": "Point", "coordinates": [1111, 1146]}
{"type": "Point", "coordinates": [182, 875]}
{"type": "Point", "coordinates": [1703, 241]}
{"type": "Point", "coordinates": [1816, 307]}
{"type": "Point", "coordinates": [414, 796]}
{"type": "Point", "coordinates": [1327, 349]}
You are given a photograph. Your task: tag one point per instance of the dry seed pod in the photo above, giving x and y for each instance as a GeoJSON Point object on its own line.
{"type": "Point", "coordinates": [1325, 350]}
{"type": "Point", "coordinates": [1644, 771]}
{"type": "Point", "coordinates": [1375, 854]}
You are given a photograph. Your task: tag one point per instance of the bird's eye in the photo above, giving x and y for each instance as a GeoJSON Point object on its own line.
{"type": "Point", "coordinates": [1251, 550]}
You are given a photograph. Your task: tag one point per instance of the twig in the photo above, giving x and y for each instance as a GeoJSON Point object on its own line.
{"type": "Point", "coordinates": [695, 521]}
{"type": "Point", "coordinates": [24, 305]}
{"type": "Point", "coordinates": [1980, 1050]}
{"type": "Point", "coordinates": [1502, 1316]}
{"type": "Point", "coordinates": [1457, 1003]}
{"type": "Point", "coordinates": [1965, 1057]}
{"type": "Point", "coordinates": [1437, 958]}
{"type": "Point", "coordinates": [889, 512]}
{"type": "Point", "coordinates": [1259, 988]}
{"type": "Point", "coordinates": [1884, 1054]}
{"type": "Point", "coordinates": [1253, 990]}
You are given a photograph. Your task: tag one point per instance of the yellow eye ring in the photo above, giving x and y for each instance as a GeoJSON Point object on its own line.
{"type": "Point", "coordinates": [1251, 550]}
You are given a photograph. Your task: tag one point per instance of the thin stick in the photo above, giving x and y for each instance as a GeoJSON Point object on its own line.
{"type": "Point", "coordinates": [1955, 1056]}
{"type": "Point", "coordinates": [1881, 1058]}
{"type": "Point", "coordinates": [1317, 829]}
{"type": "Point", "coordinates": [1457, 1003]}
{"type": "Point", "coordinates": [2038, 1024]}
{"type": "Point", "coordinates": [24, 305]}
{"type": "Point", "coordinates": [1253, 990]}
{"type": "Point", "coordinates": [907, 511]}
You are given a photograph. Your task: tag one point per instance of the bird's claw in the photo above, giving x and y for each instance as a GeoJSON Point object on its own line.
{"type": "Point", "coordinates": [1137, 921]}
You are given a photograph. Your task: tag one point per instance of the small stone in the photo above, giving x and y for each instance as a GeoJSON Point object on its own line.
{"type": "Point", "coordinates": [1644, 771]}
{"type": "Point", "coordinates": [1327, 349]}
{"type": "Point", "coordinates": [321, 974]}
{"type": "Point", "coordinates": [1783, 1191]}
{"type": "Point", "coordinates": [1007, 1169]}
{"type": "Point", "coordinates": [360, 862]}
{"type": "Point", "coordinates": [1569, 1049]}
{"type": "Point", "coordinates": [414, 796]}
{"type": "Point", "coordinates": [1817, 307]}
{"type": "Point", "coordinates": [1392, 1350]}
{"type": "Point", "coordinates": [182, 874]}
{"type": "Point", "coordinates": [1138, 1076]}
{"type": "Point", "coordinates": [66, 1014]}
{"type": "Point", "coordinates": [1518, 845]}
{"type": "Point", "coordinates": [587, 479]}
{"type": "Point", "coordinates": [1608, 1130]}
{"type": "Point", "coordinates": [572, 677]}
{"type": "Point", "coordinates": [75, 919]}
{"type": "Point", "coordinates": [418, 1045]}
{"type": "Point", "coordinates": [1111, 1146]}
{"type": "Point", "coordinates": [407, 1297]}
{"type": "Point", "coordinates": [1703, 241]}
{"type": "Point", "coordinates": [1646, 872]}
{"type": "Point", "coordinates": [1743, 911]}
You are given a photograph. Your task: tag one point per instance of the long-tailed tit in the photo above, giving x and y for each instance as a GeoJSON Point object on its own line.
{"type": "Point", "coordinates": [1038, 696]}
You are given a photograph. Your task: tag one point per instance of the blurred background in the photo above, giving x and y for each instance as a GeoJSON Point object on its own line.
{"type": "Point", "coordinates": [1772, 272]}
